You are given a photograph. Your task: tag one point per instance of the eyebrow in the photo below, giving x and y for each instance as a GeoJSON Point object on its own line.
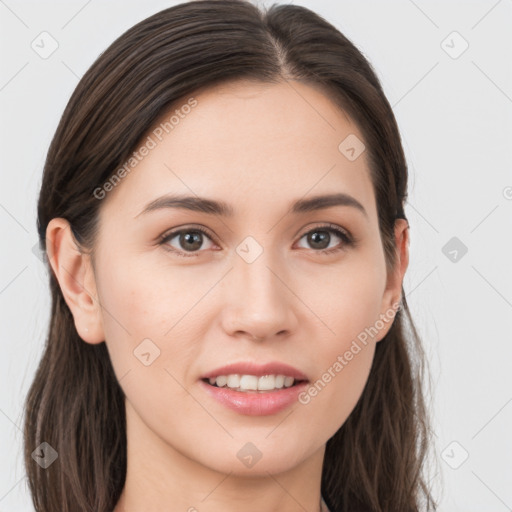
{"type": "Point", "coordinates": [214, 207]}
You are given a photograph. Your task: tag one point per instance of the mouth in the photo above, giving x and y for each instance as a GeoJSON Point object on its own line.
{"type": "Point", "coordinates": [247, 383]}
{"type": "Point", "coordinates": [255, 389]}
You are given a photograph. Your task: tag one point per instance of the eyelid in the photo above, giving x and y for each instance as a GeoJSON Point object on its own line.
{"type": "Point", "coordinates": [171, 233]}
{"type": "Point", "coordinates": [346, 236]}
{"type": "Point", "coordinates": [327, 226]}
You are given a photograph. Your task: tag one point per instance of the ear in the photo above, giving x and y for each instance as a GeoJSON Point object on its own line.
{"type": "Point", "coordinates": [74, 273]}
{"type": "Point", "coordinates": [393, 292]}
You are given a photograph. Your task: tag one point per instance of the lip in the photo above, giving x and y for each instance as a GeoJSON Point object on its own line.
{"type": "Point", "coordinates": [254, 403]}
{"type": "Point", "coordinates": [249, 368]}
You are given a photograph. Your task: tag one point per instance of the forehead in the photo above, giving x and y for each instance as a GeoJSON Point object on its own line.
{"type": "Point", "coordinates": [251, 142]}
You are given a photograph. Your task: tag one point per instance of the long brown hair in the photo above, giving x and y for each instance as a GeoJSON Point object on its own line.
{"type": "Point", "coordinates": [375, 460]}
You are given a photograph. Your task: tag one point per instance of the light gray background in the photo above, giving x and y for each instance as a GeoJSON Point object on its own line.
{"type": "Point", "coordinates": [455, 116]}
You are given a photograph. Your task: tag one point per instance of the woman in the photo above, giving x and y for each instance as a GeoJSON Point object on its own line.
{"type": "Point", "coordinates": [222, 210]}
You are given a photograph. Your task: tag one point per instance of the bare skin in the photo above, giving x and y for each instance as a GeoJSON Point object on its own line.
{"type": "Point", "coordinates": [259, 148]}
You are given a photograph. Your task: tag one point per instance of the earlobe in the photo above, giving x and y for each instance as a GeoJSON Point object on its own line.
{"type": "Point", "coordinates": [74, 273]}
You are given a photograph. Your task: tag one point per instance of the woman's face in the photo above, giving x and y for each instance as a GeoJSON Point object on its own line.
{"type": "Point", "coordinates": [255, 290]}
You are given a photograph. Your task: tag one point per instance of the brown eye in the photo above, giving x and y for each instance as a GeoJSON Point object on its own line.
{"type": "Point", "coordinates": [189, 240]}
{"type": "Point", "coordinates": [320, 238]}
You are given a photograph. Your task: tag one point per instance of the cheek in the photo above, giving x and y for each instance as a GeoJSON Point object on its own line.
{"type": "Point", "coordinates": [347, 299]}
{"type": "Point", "coordinates": [152, 335]}
{"type": "Point", "coordinates": [335, 391]}
{"type": "Point", "coordinates": [143, 294]}
{"type": "Point", "coordinates": [147, 311]}
{"type": "Point", "coordinates": [350, 304]}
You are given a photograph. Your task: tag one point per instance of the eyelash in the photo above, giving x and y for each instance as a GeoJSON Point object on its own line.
{"type": "Point", "coordinates": [348, 240]}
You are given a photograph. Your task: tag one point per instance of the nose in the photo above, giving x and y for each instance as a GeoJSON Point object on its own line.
{"type": "Point", "coordinates": [258, 304]}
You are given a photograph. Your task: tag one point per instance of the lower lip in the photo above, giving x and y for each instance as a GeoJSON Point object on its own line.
{"type": "Point", "coordinates": [254, 403]}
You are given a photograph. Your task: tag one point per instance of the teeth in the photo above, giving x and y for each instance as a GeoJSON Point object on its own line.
{"type": "Point", "coordinates": [221, 381]}
{"type": "Point", "coordinates": [267, 382]}
{"type": "Point", "coordinates": [252, 382]}
{"type": "Point", "coordinates": [288, 381]}
{"type": "Point", "coordinates": [233, 381]}
{"type": "Point", "coordinates": [247, 382]}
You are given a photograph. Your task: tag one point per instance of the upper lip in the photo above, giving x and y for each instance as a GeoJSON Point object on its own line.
{"type": "Point", "coordinates": [250, 368]}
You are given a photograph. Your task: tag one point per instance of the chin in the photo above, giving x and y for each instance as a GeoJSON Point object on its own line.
{"type": "Point", "coordinates": [255, 455]}
{"type": "Point", "coordinates": [271, 464]}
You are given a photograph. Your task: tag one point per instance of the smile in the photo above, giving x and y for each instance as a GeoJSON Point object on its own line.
{"type": "Point", "coordinates": [254, 389]}
{"type": "Point", "coordinates": [246, 383]}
